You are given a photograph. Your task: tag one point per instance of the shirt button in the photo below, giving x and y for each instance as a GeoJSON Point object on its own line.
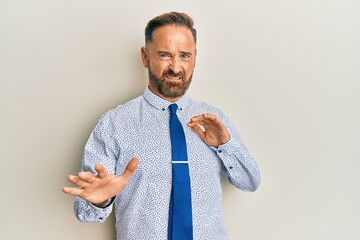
{"type": "Point", "coordinates": [163, 109]}
{"type": "Point", "coordinates": [230, 167]}
{"type": "Point", "coordinates": [219, 151]}
{"type": "Point", "coordinates": [100, 218]}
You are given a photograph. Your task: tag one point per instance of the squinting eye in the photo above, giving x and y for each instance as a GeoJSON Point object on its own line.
{"type": "Point", "coordinates": [164, 55]}
{"type": "Point", "coordinates": [185, 55]}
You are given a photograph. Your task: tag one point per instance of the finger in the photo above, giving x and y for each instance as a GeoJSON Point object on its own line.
{"type": "Point", "coordinates": [196, 118]}
{"type": "Point", "coordinates": [193, 123]}
{"type": "Point", "coordinates": [212, 119]}
{"type": "Point", "coordinates": [196, 121]}
{"type": "Point", "coordinates": [101, 170]}
{"type": "Point", "coordinates": [76, 180]}
{"type": "Point", "coordinates": [198, 130]}
{"type": "Point", "coordinates": [203, 116]}
{"type": "Point", "coordinates": [203, 119]}
{"type": "Point", "coordinates": [131, 167]}
{"type": "Point", "coordinates": [87, 177]}
{"type": "Point", "coordinates": [72, 190]}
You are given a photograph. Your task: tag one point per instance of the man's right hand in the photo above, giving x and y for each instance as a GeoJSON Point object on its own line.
{"type": "Point", "coordinates": [98, 188]}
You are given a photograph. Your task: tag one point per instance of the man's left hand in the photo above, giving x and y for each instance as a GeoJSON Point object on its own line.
{"type": "Point", "coordinates": [213, 131]}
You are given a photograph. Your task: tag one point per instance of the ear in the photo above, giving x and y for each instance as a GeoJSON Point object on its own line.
{"type": "Point", "coordinates": [195, 57]}
{"type": "Point", "coordinates": [144, 57]}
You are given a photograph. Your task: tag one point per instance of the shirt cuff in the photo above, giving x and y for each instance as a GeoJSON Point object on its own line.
{"type": "Point", "coordinates": [223, 147]}
{"type": "Point", "coordinates": [109, 202]}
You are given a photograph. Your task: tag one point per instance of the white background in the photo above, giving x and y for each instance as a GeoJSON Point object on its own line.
{"type": "Point", "coordinates": [286, 72]}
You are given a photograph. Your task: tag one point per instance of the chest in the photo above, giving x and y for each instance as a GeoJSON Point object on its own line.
{"type": "Point", "coordinates": [148, 139]}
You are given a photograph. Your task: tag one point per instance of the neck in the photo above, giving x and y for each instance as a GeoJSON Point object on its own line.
{"type": "Point", "coordinates": [169, 99]}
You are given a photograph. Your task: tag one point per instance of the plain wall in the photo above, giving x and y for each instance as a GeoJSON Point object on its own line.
{"type": "Point", "coordinates": [287, 73]}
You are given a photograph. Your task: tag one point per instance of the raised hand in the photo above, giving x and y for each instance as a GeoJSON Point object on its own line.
{"type": "Point", "coordinates": [213, 133]}
{"type": "Point", "coordinates": [98, 188]}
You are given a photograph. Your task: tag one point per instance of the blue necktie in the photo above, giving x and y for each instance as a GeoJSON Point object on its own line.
{"type": "Point", "coordinates": [180, 213]}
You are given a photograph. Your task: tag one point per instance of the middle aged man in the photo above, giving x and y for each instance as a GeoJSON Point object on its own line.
{"type": "Point", "coordinates": [163, 185]}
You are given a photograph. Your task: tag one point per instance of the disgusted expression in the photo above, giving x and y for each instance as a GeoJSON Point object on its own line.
{"type": "Point", "coordinates": [170, 59]}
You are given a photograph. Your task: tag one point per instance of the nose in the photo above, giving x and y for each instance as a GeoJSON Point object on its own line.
{"type": "Point", "coordinates": [175, 65]}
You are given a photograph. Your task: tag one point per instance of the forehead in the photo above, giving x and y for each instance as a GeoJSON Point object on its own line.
{"type": "Point", "coordinates": [171, 36]}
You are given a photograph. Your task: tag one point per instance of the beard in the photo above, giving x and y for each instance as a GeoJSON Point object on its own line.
{"type": "Point", "coordinates": [169, 89]}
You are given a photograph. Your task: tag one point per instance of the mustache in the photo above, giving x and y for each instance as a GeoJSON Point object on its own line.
{"type": "Point", "coordinates": [171, 73]}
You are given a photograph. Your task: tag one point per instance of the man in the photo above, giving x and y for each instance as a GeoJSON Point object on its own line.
{"type": "Point", "coordinates": [129, 157]}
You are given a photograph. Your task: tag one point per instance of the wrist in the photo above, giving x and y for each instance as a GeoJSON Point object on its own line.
{"type": "Point", "coordinates": [105, 203]}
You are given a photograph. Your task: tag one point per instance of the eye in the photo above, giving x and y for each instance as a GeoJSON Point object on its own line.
{"type": "Point", "coordinates": [164, 55]}
{"type": "Point", "coordinates": [185, 55]}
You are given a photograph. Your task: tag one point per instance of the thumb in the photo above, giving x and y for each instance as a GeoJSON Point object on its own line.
{"type": "Point", "coordinates": [101, 170]}
{"type": "Point", "coordinates": [131, 167]}
{"type": "Point", "coordinates": [198, 131]}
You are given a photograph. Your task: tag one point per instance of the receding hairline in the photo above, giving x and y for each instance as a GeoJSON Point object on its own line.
{"type": "Point", "coordinates": [166, 19]}
{"type": "Point", "coordinates": [169, 25]}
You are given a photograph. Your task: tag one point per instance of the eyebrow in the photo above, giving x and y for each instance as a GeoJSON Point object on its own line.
{"type": "Point", "coordinates": [181, 52]}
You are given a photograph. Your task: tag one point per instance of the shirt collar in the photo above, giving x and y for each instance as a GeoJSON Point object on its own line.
{"type": "Point", "coordinates": [162, 104]}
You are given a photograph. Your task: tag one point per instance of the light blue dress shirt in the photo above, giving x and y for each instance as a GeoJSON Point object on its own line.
{"type": "Point", "coordinates": [140, 128]}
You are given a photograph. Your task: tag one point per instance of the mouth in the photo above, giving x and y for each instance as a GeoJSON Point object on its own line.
{"type": "Point", "coordinates": [173, 77]}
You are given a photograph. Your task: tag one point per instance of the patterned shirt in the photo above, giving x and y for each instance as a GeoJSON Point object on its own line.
{"type": "Point", "coordinates": [140, 128]}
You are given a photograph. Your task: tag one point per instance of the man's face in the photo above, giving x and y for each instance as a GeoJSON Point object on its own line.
{"type": "Point", "coordinates": [170, 59]}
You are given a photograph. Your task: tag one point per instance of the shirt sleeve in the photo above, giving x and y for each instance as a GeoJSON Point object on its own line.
{"type": "Point", "coordinates": [100, 148]}
{"type": "Point", "coordinates": [238, 165]}
{"type": "Point", "coordinates": [88, 212]}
